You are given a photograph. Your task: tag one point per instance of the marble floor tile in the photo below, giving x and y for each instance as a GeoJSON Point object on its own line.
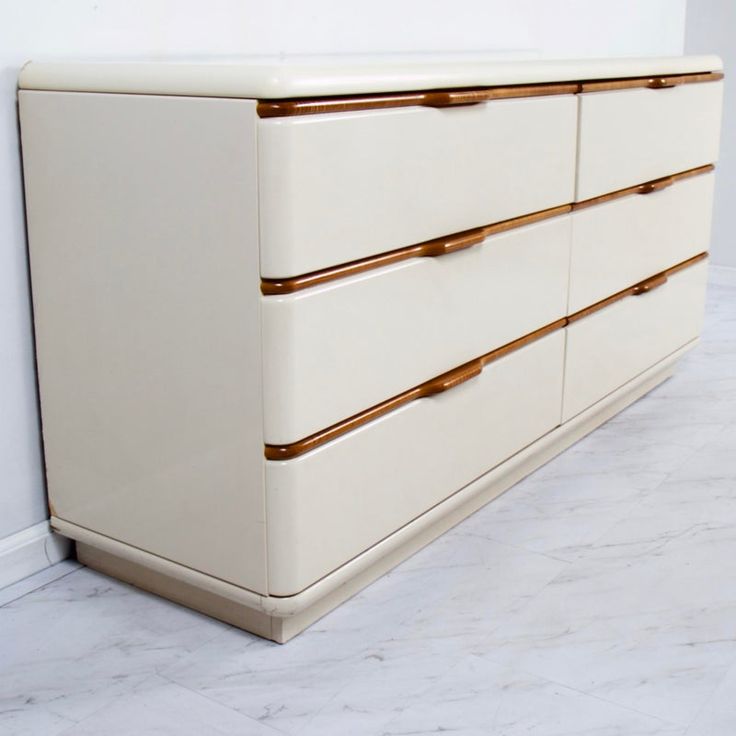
{"type": "Point", "coordinates": [562, 508]}
{"type": "Point", "coordinates": [721, 276]}
{"type": "Point", "coordinates": [373, 649]}
{"type": "Point", "coordinates": [647, 618]}
{"type": "Point", "coordinates": [281, 686]}
{"type": "Point", "coordinates": [498, 579]}
{"type": "Point", "coordinates": [157, 706]}
{"type": "Point", "coordinates": [633, 446]}
{"type": "Point", "coordinates": [71, 647]}
{"type": "Point", "coordinates": [718, 715]}
{"type": "Point", "coordinates": [27, 719]}
{"type": "Point", "coordinates": [402, 669]}
{"type": "Point", "coordinates": [662, 663]}
{"type": "Point", "coordinates": [481, 698]}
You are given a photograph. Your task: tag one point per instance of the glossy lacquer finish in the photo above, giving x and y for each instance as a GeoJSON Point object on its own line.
{"type": "Point", "coordinates": [310, 75]}
{"type": "Point", "coordinates": [332, 351]}
{"type": "Point", "coordinates": [623, 241]}
{"type": "Point", "coordinates": [330, 504]}
{"type": "Point", "coordinates": [145, 289]}
{"type": "Point", "coordinates": [442, 246]}
{"type": "Point", "coordinates": [277, 355]}
{"type": "Point", "coordinates": [343, 186]}
{"type": "Point", "coordinates": [635, 135]}
{"type": "Point", "coordinates": [614, 344]}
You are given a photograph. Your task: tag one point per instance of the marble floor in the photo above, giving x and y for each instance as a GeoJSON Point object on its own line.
{"type": "Point", "coordinates": [597, 597]}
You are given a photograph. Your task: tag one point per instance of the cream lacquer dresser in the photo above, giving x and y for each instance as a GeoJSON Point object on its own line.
{"type": "Point", "coordinates": [296, 319]}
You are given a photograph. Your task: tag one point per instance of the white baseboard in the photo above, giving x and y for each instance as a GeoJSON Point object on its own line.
{"type": "Point", "coordinates": [722, 275]}
{"type": "Point", "coordinates": [30, 551]}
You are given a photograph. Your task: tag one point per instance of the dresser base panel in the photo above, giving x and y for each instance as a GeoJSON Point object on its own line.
{"type": "Point", "coordinates": [280, 619]}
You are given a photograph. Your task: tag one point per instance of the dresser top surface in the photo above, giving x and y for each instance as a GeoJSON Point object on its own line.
{"type": "Point", "coordinates": [321, 76]}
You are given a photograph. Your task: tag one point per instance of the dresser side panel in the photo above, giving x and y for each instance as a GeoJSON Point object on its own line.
{"type": "Point", "coordinates": [143, 236]}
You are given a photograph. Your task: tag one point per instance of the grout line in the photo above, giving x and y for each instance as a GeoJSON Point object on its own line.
{"type": "Point", "coordinates": [707, 702]}
{"type": "Point", "coordinates": [212, 700]}
{"type": "Point", "coordinates": [41, 585]}
{"type": "Point", "coordinates": [602, 699]}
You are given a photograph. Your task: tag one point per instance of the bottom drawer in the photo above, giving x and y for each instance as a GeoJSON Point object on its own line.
{"type": "Point", "coordinates": [329, 505]}
{"type": "Point", "coordinates": [613, 345]}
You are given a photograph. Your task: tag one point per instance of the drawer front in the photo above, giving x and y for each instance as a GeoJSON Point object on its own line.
{"type": "Point", "coordinates": [636, 135]}
{"type": "Point", "coordinates": [332, 351]}
{"type": "Point", "coordinates": [331, 504]}
{"type": "Point", "coordinates": [622, 242]}
{"type": "Point", "coordinates": [609, 347]}
{"type": "Point", "coordinates": [339, 187]}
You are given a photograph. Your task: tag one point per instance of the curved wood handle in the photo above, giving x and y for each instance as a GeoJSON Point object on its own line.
{"type": "Point", "coordinates": [451, 379]}
{"type": "Point", "coordinates": [442, 247]}
{"type": "Point", "coordinates": [649, 284]}
{"type": "Point", "coordinates": [662, 82]}
{"type": "Point", "coordinates": [453, 99]}
{"type": "Point", "coordinates": [655, 186]}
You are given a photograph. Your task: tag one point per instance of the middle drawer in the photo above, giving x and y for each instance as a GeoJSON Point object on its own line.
{"type": "Point", "coordinates": [332, 351]}
{"type": "Point", "coordinates": [624, 241]}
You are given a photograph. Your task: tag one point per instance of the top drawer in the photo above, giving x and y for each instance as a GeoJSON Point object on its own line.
{"type": "Point", "coordinates": [635, 135]}
{"type": "Point", "coordinates": [338, 187]}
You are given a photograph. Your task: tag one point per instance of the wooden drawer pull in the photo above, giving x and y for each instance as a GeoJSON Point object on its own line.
{"type": "Point", "coordinates": [451, 379]}
{"type": "Point", "coordinates": [649, 284]}
{"type": "Point", "coordinates": [453, 99]}
{"type": "Point", "coordinates": [662, 82]}
{"type": "Point", "coordinates": [435, 248]}
{"type": "Point", "coordinates": [655, 186]}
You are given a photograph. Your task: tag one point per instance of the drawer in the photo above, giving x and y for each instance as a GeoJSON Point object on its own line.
{"type": "Point", "coordinates": [328, 505]}
{"type": "Point", "coordinates": [624, 241]}
{"type": "Point", "coordinates": [334, 350]}
{"type": "Point", "coordinates": [636, 135]}
{"type": "Point", "coordinates": [613, 345]}
{"type": "Point", "coordinates": [339, 187]}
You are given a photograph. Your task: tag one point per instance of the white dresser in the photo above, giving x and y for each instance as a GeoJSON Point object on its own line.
{"type": "Point", "coordinates": [295, 319]}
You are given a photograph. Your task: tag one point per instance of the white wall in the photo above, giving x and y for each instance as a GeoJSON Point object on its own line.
{"type": "Point", "coordinates": [711, 28]}
{"type": "Point", "coordinates": [166, 28]}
